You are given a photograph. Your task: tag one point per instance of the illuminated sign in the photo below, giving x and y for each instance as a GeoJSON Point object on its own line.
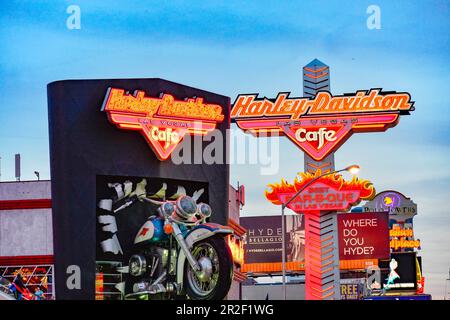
{"type": "Point", "coordinates": [327, 193]}
{"type": "Point", "coordinates": [399, 232]}
{"type": "Point", "coordinates": [399, 272]}
{"type": "Point", "coordinates": [404, 244]}
{"type": "Point", "coordinates": [392, 201]}
{"type": "Point", "coordinates": [363, 236]}
{"type": "Point", "coordinates": [401, 213]}
{"type": "Point", "coordinates": [400, 207]}
{"type": "Point", "coordinates": [420, 277]}
{"type": "Point", "coordinates": [237, 249]}
{"type": "Point", "coordinates": [321, 125]}
{"type": "Point", "coordinates": [163, 121]}
{"type": "Point", "coordinates": [403, 238]}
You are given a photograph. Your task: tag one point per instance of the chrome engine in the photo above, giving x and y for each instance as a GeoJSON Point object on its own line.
{"type": "Point", "coordinates": [149, 268]}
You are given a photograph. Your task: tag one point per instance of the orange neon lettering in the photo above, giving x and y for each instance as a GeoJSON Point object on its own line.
{"type": "Point", "coordinates": [118, 100]}
{"type": "Point", "coordinates": [163, 121]}
{"type": "Point", "coordinates": [320, 125]}
{"type": "Point", "coordinates": [247, 106]}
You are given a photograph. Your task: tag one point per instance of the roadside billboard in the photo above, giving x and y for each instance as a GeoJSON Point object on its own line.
{"type": "Point", "coordinates": [363, 236]}
{"type": "Point", "coordinates": [263, 243]}
{"type": "Point", "coordinates": [352, 289]}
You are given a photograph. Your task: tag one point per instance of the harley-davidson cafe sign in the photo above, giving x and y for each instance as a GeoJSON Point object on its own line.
{"type": "Point", "coordinates": [163, 121]}
{"type": "Point", "coordinates": [321, 125]}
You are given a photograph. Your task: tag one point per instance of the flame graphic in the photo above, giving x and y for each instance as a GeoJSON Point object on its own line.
{"type": "Point", "coordinates": [366, 188]}
{"type": "Point", "coordinates": [237, 249]}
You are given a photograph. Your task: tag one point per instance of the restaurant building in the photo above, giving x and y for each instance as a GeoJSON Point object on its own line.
{"type": "Point", "coordinates": [26, 234]}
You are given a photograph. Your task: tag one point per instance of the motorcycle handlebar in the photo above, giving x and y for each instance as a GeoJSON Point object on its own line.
{"type": "Point", "coordinates": [135, 198]}
{"type": "Point", "coordinates": [153, 201]}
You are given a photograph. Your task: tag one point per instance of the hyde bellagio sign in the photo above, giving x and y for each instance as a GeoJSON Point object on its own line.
{"type": "Point", "coordinates": [328, 193]}
{"type": "Point", "coordinates": [163, 121]}
{"type": "Point", "coordinates": [321, 125]}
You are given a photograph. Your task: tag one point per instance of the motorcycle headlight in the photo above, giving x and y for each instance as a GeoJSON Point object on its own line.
{"type": "Point", "coordinates": [186, 207]}
{"type": "Point", "coordinates": [167, 208]}
{"type": "Point", "coordinates": [204, 209]}
{"type": "Point", "coordinates": [137, 265]}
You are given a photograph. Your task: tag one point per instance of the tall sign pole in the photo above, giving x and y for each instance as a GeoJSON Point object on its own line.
{"type": "Point", "coordinates": [316, 76]}
{"type": "Point", "coordinates": [322, 272]}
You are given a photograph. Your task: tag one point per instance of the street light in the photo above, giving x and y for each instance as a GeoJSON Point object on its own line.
{"type": "Point", "coordinates": [353, 169]}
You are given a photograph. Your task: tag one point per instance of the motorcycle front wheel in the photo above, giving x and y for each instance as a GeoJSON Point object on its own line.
{"type": "Point", "coordinates": [214, 281]}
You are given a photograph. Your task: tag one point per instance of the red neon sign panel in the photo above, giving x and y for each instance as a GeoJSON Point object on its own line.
{"type": "Point", "coordinates": [321, 125]}
{"type": "Point", "coordinates": [163, 121]}
{"type": "Point", "coordinates": [327, 193]}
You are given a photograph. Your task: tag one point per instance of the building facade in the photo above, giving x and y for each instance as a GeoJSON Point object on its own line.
{"type": "Point", "coordinates": [26, 235]}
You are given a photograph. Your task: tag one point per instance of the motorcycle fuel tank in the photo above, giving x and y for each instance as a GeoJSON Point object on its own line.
{"type": "Point", "coordinates": [152, 230]}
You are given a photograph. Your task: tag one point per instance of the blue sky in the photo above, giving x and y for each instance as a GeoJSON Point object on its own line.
{"type": "Point", "coordinates": [232, 47]}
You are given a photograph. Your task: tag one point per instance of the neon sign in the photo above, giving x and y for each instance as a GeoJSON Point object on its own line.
{"type": "Point", "coordinates": [403, 238]}
{"type": "Point", "coordinates": [237, 249]}
{"type": "Point", "coordinates": [330, 192]}
{"type": "Point", "coordinates": [321, 125]}
{"type": "Point", "coordinates": [163, 121]}
{"type": "Point", "coordinates": [404, 244]}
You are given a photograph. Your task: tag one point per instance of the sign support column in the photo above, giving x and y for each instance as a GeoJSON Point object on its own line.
{"type": "Point", "coordinates": [322, 277]}
{"type": "Point", "coordinates": [322, 272]}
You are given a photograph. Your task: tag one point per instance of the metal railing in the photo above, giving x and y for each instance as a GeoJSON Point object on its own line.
{"type": "Point", "coordinates": [111, 291]}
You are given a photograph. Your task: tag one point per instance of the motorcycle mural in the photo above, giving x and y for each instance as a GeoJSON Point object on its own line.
{"type": "Point", "coordinates": [176, 252]}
